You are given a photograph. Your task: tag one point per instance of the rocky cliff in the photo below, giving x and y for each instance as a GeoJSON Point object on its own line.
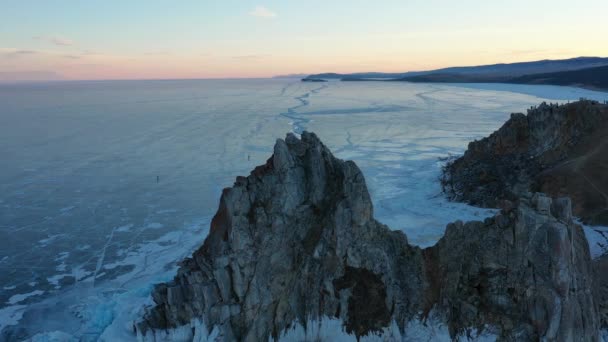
{"type": "Point", "coordinates": [296, 240]}
{"type": "Point", "coordinates": [526, 271]}
{"type": "Point", "coordinates": [561, 150]}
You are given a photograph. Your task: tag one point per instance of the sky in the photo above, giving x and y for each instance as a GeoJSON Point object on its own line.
{"type": "Point", "coordinates": [156, 39]}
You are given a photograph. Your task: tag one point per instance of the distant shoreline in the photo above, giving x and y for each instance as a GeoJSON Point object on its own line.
{"type": "Point", "coordinates": [580, 86]}
{"type": "Point", "coordinates": [583, 72]}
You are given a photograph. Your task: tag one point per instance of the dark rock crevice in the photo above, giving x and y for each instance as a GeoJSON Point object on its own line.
{"type": "Point", "coordinates": [367, 308]}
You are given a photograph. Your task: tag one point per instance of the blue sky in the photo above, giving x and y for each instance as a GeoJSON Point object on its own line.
{"type": "Point", "coordinates": [187, 38]}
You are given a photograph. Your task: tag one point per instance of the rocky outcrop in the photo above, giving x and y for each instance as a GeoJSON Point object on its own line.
{"type": "Point", "coordinates": [296, 240]}
{"type": "Point", "coordinates": [561, 150]}
{"type": "Point", "coordinates": [526, 271]}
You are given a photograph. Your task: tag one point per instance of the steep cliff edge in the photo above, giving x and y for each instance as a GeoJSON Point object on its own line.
{"type": "Point", "coordinates": [296, 240]}
{"type": "Point", "coordinates": [526, 271]}
{"type": "Point", "coordinates": [561, 150]}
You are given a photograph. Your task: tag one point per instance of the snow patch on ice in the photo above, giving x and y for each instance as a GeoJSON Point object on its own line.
{"type": "Point", "coordinates": [18, 298]}
{"type": "Point", "coordinates": [49, 240]}
{"type": "Point", "coordinates": [67, 209]}
{"type": "Point", "coordinates": [154, 225]}
{"type": "Point", "coordinates": [83, 247]}
{"type": "Point", "coordinates": [54, 280]}
{"type": "Point", "coordinates": [11, 315]}
{"type": "Point", "coordinates": [597, 236]}
{"type": "Point", "coordinates": [125, 228]}
{"type": "Point", "coordinates": [77, 272]}
{"type": "Point", "coordinates": [167, 211]}
{"type": "Point", "coordinates": [61, 259]}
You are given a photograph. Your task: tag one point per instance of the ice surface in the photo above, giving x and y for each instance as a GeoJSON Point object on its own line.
{"type": "Point", "coordinates": [549, 92]}
{"type": "Point", "coordinates": [107, 185]}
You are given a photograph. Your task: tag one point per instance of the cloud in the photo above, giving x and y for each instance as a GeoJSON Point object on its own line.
{"type": "Point", "coordinates": [157, 53]}
{"type": "Point", "coordinates": [11, 53]}
{"type": "Point", "coordinates": [24, 52]}
{"type": "Point", "coordinates": [262, 12]}
{"type": "Point", "coordinates": [61, 41]}
{"type": "Point", "coordinates": [250, 57]}
{"type": "Point", "coordinates": [56, 40]}
{"type": "Point", "coordinates": [90, 53]}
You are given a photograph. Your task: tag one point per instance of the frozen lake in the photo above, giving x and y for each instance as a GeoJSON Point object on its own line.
{"type": "Point", "coordinates": [104, 186]}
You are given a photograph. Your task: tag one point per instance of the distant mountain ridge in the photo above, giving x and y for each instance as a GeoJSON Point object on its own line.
{"type": "Point", "coordinates": [523, 68]}
{"type": "Point", "coordinates": [590, 78]}
{"type": "Point", "coordinates": [521, 72]}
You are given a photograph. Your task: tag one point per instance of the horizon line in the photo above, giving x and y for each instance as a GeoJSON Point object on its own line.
{"type": "Point", "coordinates": [280, 76]}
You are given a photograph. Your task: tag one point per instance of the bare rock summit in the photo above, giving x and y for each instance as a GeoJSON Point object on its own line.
{"type": "Point", "coordinates": [296, 240]}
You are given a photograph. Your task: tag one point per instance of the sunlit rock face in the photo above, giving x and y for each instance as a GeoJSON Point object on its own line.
{"type": "Point", "coordinates": [561, 150]}
{"type": "Point", "coordinates": [296, 241]}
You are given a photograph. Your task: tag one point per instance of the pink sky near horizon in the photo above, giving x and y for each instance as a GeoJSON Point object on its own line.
{"type": "Point", "coordinates": [194, 39]}
{"type": "Point", "coordinates": [162, 66]}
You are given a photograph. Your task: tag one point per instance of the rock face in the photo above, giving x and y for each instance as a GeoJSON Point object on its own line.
{"type": "Point", "coordinates": [558, 150]}
{"type": "Point", "coordinates": [526, 271]}
{"type": "Point", "coordinates": [296, 240]}
{"type": "Point", "coordinates": [600, 266]}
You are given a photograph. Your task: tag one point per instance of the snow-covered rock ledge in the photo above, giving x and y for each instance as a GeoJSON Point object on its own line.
{"type": "Point", "coordinates": [296, 241]}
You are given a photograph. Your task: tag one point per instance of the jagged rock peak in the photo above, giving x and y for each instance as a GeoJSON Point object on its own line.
{"type": "Point", "coordinates": [296, 241]}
